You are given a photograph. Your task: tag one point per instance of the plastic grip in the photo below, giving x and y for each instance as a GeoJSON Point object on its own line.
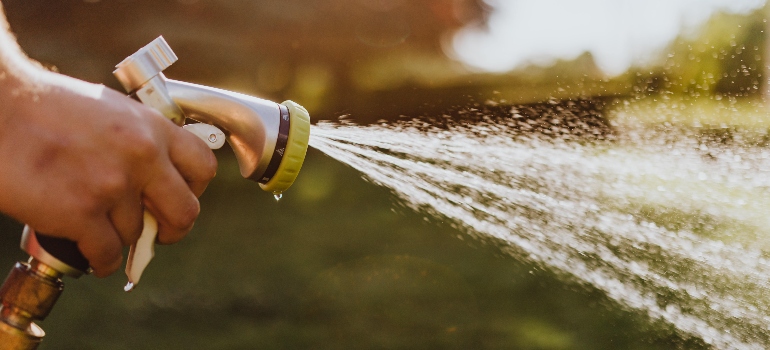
{"type": "Point", "coordinates": [65, 250]}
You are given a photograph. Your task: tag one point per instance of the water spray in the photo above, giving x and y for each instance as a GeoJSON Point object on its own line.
{"type": "Point", "coordinates": [269, 141]}
{"type": "Point", "coordinates": [578, 208]}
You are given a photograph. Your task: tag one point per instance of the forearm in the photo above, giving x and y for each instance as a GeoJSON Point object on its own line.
{"type": "Point", "coordinates": [17, 77]}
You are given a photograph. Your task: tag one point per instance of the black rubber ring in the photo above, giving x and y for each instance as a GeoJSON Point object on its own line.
{"type": "Point", "coordinates": [280, 145]}
{"type": "Point", "coordinates": [65, 250]}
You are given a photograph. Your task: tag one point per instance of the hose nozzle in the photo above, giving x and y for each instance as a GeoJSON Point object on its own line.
{"type": "Point", "coordinates": [269, 139]}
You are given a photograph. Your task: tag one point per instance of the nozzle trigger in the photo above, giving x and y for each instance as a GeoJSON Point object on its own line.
{"type": "Point", "coordinates": [142, 252]}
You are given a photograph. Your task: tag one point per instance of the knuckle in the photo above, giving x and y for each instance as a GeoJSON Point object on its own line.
{"type": "Point", "coordinates": [137, 139]}
{"type": "Point", "coordinates": [170, 235]}
{"type": "Point", "coordinates": [110, 254]}
{"type": "Point", "coordinates": [90, 206]}
{"type": "Point", "coordinates": [185, 218]}
{"type": "Point", "coordinates": [111, 184]}
{"type": "Point", "coordinates": [143, 146]}
{"type": "Point", "coordinates": [210, 168]}
{"type": "Point", "coordinates": [107, 264]}
{"type": "Point", "coordinates": [204, 158]}
{"type": "Point", "coordinates": [103, 256]}
{"type": "Point", "coordinates": [132, 233]}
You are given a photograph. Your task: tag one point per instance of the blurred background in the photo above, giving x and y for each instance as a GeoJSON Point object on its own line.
{"type": "Point", "coordinates": [338, 263]}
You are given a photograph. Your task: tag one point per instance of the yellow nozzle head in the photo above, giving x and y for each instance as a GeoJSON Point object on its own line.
{"type": "Point", "coordinates": [296, 147]}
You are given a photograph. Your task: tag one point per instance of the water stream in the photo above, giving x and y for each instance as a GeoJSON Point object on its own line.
{"type": "Point", "coordinates": [662, 220]}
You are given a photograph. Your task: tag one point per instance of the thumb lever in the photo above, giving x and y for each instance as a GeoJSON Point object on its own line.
{"type": "Point", "coordinates": [141, 252]}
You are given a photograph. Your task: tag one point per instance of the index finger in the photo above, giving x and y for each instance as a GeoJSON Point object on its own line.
{"type": "Point", "coordinates": [193, 159]}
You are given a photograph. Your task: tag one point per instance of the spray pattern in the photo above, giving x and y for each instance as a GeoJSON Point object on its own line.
{"type": "Point", "coordinates": [662, 222]}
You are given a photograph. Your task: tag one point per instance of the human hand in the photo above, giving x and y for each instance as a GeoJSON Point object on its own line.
{"type": "Point", "coordinates": [82, 162]}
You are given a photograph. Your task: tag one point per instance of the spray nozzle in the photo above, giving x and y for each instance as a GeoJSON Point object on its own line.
{"type": "Point", "coordinates": [269, 139]}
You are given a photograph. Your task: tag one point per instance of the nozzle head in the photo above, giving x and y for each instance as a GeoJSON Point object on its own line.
{"type": "Point", "coordinates": [296, 148]}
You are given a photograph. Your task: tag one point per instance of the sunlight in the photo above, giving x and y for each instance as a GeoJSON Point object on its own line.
{"type": "Point", "coordinates": [618, 33]}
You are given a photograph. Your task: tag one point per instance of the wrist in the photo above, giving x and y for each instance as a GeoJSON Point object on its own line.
{"type": "Point", "coordinates": [17, 71]}
{"type": "Point", "coordinates": [18, 78]}
{"type": "Point", "coordinates": [18, 94]}
{"type": "Point", "coordinates": [12, 86]}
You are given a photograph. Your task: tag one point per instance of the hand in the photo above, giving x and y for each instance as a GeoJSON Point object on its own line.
{"type": "Point", "coordinates": [82, 162]}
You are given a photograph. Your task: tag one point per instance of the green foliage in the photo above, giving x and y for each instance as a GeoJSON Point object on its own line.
{"type": "Point", "coordinates": [724, 57]}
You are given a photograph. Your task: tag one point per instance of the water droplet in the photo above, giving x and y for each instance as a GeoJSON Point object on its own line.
{"type": "Point", "coordinates": [213, 138]}
{"type": "Point", "coordinates": [129, 287]}
{"type": "Point", "coordinates": [277, 196]}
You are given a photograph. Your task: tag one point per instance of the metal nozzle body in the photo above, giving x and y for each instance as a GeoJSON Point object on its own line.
{"type": "Point", "coordinates": [251, 124]}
